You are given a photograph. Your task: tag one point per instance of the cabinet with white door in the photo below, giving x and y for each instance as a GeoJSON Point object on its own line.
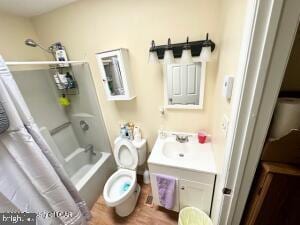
{"type": "Point", "coordinates": [115, 74]}
{"type": "Point", "coordinates": [193, 188]}
{"type": "Point", "coordinates": [195, 194]}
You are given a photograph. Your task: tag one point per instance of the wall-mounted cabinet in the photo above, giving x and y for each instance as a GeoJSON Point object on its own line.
{"type": "Point", "coordinates": [116, 74]}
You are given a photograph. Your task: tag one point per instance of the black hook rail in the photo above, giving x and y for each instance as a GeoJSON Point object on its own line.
{"type": "Point", "coordinates": [177, 48]}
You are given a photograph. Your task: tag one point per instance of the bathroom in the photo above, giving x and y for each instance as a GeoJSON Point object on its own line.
{"type": "Point", "coordinates": [122, 121]}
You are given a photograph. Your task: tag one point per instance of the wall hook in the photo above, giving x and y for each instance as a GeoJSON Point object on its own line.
{"type": "Point", "coordinates": [152, 48]}
{"type": "Point", "coordinates": [169, 46]}
{"type": "Point", "coordinates": [187, 45]}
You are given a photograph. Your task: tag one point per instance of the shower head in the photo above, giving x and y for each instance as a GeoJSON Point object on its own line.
{"type": "Point", "coordinates": [30, 42]}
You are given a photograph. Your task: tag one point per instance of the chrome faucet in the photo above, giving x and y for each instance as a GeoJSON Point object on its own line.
{"type": "Point", "coordinates": [89, 148]}
{"type": "Point", "coordinates": [182, 138]}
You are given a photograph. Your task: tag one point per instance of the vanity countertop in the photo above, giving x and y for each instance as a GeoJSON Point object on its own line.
{"type": "Point", "coordinates": [190, 155]}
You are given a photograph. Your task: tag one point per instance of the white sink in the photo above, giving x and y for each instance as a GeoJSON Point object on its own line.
{"type": "Point", "coordinates": [189, 155]}
{"type": "Point", "coordinates": [181, 151]}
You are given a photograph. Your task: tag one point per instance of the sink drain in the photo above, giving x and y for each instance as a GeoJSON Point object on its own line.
{"type": "Point", "coordinates": [181, 155]}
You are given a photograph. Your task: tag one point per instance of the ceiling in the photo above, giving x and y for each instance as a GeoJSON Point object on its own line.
{"type": "Point", "coordinates": [29, 8]}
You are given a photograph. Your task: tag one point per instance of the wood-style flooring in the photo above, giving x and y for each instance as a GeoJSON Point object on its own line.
{"type": "Point", "coordinates": [142, 215]}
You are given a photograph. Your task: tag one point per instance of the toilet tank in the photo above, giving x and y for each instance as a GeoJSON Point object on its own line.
{"type": "Point", "coordinates": [141, 149]}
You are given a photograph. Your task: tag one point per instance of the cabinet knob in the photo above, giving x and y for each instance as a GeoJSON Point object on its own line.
{"type": "Point", "coordinates": [103, 80]}
{"type": "Point", "coordinates": [182, 188]}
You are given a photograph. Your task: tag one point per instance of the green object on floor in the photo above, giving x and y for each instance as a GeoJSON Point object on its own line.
{"type": "Point", "coordinates": [193, 216]}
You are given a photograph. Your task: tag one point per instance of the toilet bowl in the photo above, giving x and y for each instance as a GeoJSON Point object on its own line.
{"type": "Point", "coordinates": [121, 189]}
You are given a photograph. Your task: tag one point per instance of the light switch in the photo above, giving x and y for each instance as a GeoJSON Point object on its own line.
{"type": "Point", "coordinates": [224, 124]}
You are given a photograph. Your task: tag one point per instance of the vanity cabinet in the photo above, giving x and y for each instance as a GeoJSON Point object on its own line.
{"type": "Point", "coordinates": [190, 163]}
{"type": "Point", "coordinates": [192, 188]}
{"type": "Point", "coordinates": [115, 74]}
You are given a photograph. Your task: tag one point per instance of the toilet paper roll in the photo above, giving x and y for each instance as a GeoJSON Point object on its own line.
{"type": "Point", "coordinates": [286, 117]}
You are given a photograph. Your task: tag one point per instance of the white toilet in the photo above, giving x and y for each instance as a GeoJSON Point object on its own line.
{"type": "Point", "coordinates": [121, 189]}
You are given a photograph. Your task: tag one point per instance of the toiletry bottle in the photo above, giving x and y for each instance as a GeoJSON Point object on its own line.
{"type": "Point", "coordinates": [137, 134]}
{"type": "Point", "coordinates": [130, 130]}
{"type": "Point", "coordinates": [71, 82]}
{"type": "Point", "coordinates": [58, 83]}
{"type": "Point", "coordinates": [123, 131]}
{"type": "Point", "coordinates": [63, 80]}
{"type": "Point", "coordinates": [60, 54]}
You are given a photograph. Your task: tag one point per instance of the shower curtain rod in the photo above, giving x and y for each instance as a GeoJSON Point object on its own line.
{"type": "Point", "coordinates": [16, 63]}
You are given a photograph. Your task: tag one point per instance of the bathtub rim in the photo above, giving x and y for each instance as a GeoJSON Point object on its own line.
{"type": "Point", "coordinates": [82, 182]}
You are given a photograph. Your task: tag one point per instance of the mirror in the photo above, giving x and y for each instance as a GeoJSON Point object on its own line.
{"type": "Point", "coordinates": [113, 75]}
{"type": "Point", "coordinates": [184, 85]}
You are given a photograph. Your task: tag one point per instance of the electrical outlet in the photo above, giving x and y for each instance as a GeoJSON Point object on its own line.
{"type": "Point", "coordinates": [224, 124]}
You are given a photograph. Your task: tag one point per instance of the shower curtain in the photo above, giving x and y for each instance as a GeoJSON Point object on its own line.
{"type": "Point", "coordinates": [31, 178]}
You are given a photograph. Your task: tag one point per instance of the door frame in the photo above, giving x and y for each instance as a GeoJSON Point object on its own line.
{"type": "Point", "coordinates": [270, 29]}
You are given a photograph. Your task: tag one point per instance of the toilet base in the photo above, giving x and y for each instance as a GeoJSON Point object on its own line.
{"type": "Point", "coordinates": [127, 207]}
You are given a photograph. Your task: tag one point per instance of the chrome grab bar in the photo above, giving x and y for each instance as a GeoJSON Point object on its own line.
{"type": "Point", "coordinates": [59, 128]}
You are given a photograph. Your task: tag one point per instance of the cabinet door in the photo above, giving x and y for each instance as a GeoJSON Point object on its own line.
{"type": "Point", "coordinates": [195, 194]}
{"type": "Point", "coordinates": [112, 75]}
{"type": "Point", "coordinates": [114, 70]}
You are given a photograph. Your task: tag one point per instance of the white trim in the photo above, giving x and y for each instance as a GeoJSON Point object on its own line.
{"type": "Point", "coordinates": [17, 63]}
{"type": "Point", "coordinates": [202, 84]}
{"type": "Point", "coordinates": [221, 203]}
{"type": "Point", "coordinates": [178, 106]}
{"type": "Point", "coordinates": [258, 89]}
{"type": "Point", "coordinates": [272, 71]}
{"type": "Point", "coordinates": [254, 77]}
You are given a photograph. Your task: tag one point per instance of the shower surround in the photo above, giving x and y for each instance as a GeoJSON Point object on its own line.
{"type": "Point", "coordinates": [61, 127]}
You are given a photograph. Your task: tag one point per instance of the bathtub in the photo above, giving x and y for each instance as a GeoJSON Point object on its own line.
{"type": "Point", "coordinates": [89, 172]}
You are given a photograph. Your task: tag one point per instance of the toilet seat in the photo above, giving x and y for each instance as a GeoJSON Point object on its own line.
{"type": "Point", "coordinates": [119, 187]}
{"type": "Point", "coordinates": [125, 154]}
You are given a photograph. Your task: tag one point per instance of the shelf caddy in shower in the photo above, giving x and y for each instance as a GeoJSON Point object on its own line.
{"type": "Point", "coordinates": [55, 67]}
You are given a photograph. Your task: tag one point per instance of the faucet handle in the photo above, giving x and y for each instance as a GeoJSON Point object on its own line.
{"type": "Point", "coordinates": [182, 138]}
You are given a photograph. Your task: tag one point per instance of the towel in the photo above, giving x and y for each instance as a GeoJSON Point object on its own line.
{"type": "Point", "coordinates": [166, 190]}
